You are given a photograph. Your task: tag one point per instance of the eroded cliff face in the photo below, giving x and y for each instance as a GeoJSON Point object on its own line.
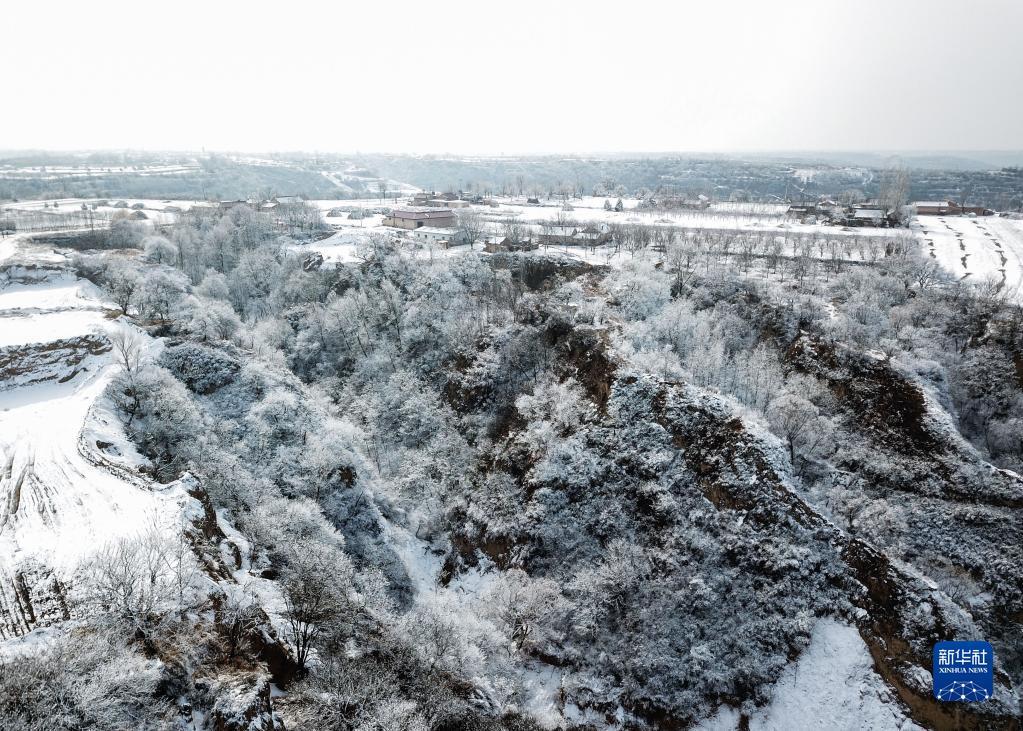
{"type": "Point", "coordinates": [698, 491]}
{"type": "Point", "coordinates": [900, 614]}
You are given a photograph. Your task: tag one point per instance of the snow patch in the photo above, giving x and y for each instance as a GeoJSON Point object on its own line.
{"type": "Point", "coordinates": [831, 686]}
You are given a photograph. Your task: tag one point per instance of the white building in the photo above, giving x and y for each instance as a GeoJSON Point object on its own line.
{"type": "Point", "coordinates": [869, 215]}
{"type": "Point", "coordinates": [443, 236]}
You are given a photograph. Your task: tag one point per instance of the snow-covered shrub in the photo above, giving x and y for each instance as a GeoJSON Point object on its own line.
{"type": "Point", "coordinates": [201, 368]}
{"type": "Point", "coordinates": [91, 679]}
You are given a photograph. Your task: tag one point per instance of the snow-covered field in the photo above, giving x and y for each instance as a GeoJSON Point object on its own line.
{"type": "Point", "coordinates": [156, 210]}
{"type": "Point", "coordinates": [590, 209]}
{"type": "Point", "coordinates": [752, 217]}
{"type": "Point", "coordinates": [766, 220]}
{"type": "Point", "coordinates": [968, 247]}
{"type": "Point", "coordinates": [978, 248]}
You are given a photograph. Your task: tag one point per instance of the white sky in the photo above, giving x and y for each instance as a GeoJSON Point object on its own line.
{"type": "Point", "coordinates": [514, 77]}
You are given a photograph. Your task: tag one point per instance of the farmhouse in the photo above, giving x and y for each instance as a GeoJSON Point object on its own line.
{"type": "Point", "coordinates": [444, 236]}
{"type": "Point", "coordinates": [868, 217]}
{"type": "Point", "coordinates": [800, 210]}
{"type": "Point", "coordinates": [592, 235]}
{"type": "Point", "coordinates": [949, 208]}
{"type": "Point", "coordinates": [413, 218]}
{"type": "Point", "coordinates": [558, 235]}
{"type": "Point", "coordinates": [937, 208]}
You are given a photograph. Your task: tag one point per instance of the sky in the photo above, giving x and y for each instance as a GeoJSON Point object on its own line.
{"type": "Point", "coordinates": [513, 78]}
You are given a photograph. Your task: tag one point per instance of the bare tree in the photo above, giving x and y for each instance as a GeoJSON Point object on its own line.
{"type": "Point", "coordinates": [129, 348]}
{"type": "Point", "coordinates": [123, 284]}
{"type": "Point", "coordinates": [240, 615]}
{"type": "Point", "coordinates": [894, 193]}
{"type": "Point", "coordinates": [143, 580]}
{"type": "Point", "coordinates": [314, 595]}
{"type": "Point", "coordinates": [470, 225]}
{"type": "Point", "coordinates": [515, 232]}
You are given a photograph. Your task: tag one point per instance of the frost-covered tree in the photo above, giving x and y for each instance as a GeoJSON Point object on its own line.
{"type": "Point", "coordinates": [316, 588]}
{"type": "Point", "coordinates": [798, 422]}
{"type": "Point", "coordinates": [159, 250]}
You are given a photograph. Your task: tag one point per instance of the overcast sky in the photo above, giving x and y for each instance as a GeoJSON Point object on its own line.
{"type": "Point", "coordinates": [513, 77]}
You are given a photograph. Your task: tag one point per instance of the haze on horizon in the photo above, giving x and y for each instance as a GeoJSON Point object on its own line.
{"type": "Point", "coordinates": [536, 78]}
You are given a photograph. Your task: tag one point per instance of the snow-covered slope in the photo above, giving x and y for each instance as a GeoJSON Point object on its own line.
{"type": "Point", "coordinates": [989, 247]}
{"type": "Point", "coordinates": [831, 686]}
{"type": "Point", "coordinates": [61, 496]}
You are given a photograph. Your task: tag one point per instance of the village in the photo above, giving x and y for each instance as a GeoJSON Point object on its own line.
{"type": "Point", "coordinates": [450, 220]}
{"type": "Point", "coordinates": [440, 218]}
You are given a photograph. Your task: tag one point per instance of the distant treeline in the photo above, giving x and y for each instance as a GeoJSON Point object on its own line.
{"type": "Point", "coordinates": [216, 178]}
{"type": "Point", "coordinates": [125, 175]}
{"type": "Point", "coordinates": [718, 178]}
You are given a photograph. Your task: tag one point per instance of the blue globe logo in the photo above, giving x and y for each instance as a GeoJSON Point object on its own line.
{"type": "Point", "coordinates": [963, 671]}
{"type": "Point", "coordinates": [962, 691]}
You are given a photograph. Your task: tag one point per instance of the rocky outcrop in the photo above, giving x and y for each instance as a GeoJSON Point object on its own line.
{"type": "Point", "coordinates": [241, 700]}
{"type": "Point", "coordinates": [58, 360]}
{"type": "Point", "coordinates": [30, 597]}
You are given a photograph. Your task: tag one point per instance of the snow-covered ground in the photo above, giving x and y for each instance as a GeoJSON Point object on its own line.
{"type": "Point", "coordinates": [856, 244]}
{"type": "Point", "coordinates": [978, 248]}
{"type": "Point", "coordinates": [831, 686]}
{"type": "Point", "coordinates": [719, 216]}
{"type": "Point", "coordinates": [968, 247]}
{"type": "Point", "coordinates": [69, 483]}
{"type": "Point", "coordinates": [156, 210]}
{"type": "Point", "coordinates": [752, 217]}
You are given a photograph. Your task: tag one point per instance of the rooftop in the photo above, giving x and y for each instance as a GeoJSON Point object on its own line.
{"type": "Point", "coordinates": [414, 212]}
